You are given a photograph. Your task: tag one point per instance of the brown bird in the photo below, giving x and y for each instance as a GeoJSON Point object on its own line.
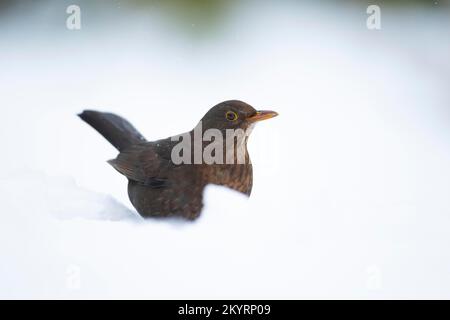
{"type": "Point", "coordinates": [167, 177]}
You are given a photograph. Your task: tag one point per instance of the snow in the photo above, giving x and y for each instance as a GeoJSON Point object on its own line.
{"type": "Point", "coordinates": [351, 180]}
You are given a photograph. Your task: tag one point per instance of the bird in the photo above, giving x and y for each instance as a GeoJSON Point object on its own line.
{"type": "Point", "coordinates": [159, 184]}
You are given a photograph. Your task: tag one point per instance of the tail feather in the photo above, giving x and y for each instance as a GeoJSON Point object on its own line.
{"type": "Point", "coordinates": [118, 131]}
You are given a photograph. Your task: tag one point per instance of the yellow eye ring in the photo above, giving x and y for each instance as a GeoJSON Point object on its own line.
{"type": "Point", "coordinates": [231, 116]}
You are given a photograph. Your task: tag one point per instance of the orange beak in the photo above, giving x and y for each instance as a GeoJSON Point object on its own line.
{"type": "Point", "coordinates": [262, 115]}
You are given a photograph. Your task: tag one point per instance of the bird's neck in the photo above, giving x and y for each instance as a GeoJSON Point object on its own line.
{"type": "Point", "coordinates": [220, 146]}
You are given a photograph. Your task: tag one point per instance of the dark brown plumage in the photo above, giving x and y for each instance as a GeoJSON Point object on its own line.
{"type": "Point", "coordinates": [159, 187]}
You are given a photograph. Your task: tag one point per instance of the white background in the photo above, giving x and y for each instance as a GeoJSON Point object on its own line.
{"type": "Point", "coordinates": [351, 181]}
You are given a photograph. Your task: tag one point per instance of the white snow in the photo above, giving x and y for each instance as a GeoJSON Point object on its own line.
{"type": "Point", "coordinates": [352, 180]}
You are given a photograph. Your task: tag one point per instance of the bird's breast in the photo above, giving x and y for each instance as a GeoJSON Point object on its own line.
{"type": "Point", "coordinates": [236, 176]}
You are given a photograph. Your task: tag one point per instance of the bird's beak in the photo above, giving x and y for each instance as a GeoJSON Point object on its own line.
{"type": "Point", "coordinates": [262, 115]}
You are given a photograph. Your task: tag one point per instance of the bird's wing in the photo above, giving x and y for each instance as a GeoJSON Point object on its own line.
{"type": "Point", "coordinates": [143, 163]}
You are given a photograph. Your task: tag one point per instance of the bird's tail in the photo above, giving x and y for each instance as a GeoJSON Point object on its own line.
{"type": "Point", "coordinates": [118, 131]}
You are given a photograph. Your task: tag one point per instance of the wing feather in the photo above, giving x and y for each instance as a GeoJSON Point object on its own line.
{"type": "Point", "coordinates": [142, 163]}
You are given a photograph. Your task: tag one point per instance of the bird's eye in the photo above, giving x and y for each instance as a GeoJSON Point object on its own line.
{"type": "Point", "coordinates": [231, 116]}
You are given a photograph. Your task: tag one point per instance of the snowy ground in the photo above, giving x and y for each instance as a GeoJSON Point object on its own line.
{"type": "Point", "coordinates": [352, 180]}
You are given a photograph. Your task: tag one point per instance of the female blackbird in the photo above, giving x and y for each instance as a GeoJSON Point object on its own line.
{"type": "Point", "coordinates": [161, 185]}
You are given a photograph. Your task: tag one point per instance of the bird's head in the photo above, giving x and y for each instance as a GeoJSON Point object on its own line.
{"type": "Point", "coordinates": [234, 114]}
